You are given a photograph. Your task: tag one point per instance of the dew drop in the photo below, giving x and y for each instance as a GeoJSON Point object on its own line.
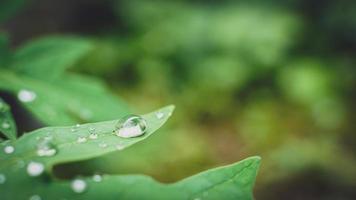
{"type": "Point", "coordinates": [78, 185]}
{"type": "Point", "coordinates": [46, 147]}
{"type": "Point", "coordinates": [9, 149]}
{"type": "Point", "coordinates": [75, 128]}
{"type": "Point", "coordinates": [35, 197]}
{"type": "Point", "coordinates": [130, 126]}
{"type": "Point", "coordinates": [2, 178]}
{"type": "Point", "coordinates": [93, 136]}
{"type": "Point", "coordinates": [5, 125]}
{"type": "Point", "coordinates": [81, 139]}
{"type": "Point", "coordinates": [35, 168]}
{"type": "Point", "coordinates": [97, 178]}
{"type": "Point", "coordinates": [159, 115]}
{"type": "Point", "coordinates": [26, 95]}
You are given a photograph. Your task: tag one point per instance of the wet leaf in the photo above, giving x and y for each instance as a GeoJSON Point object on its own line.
{"type": "Point", "coordinates": [229, 182]}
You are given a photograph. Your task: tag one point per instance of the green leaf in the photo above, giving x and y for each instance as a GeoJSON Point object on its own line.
{"type": "Point", "coordinates": [65, 140]}
{"type": "Point", "coordinates": [59, 98]}
{"type": "Point", "coordinates": [7, 124]}
{"type": "Point", "coordinates": [65, 101]}
{"type": "Point", "coordinates": [47, 58]}
{"type": "Point", "coordinates": [229, 182]}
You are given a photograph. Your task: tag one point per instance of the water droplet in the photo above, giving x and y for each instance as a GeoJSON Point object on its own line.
{"type": "Point", "coordinates": [93, 136]}
{"type": "Point", "coordinates": [75, 128]}
{"type": "Point", "coordinates": [78, 185]}
{"type": "Point", "coordinates": [35, 197]}
{"type": "Point", "coordinates": [26, 95]}
{"type": "Point", "coordinates": [159, 115]}
{"type": "Point", "coordinates": [130, 126]}
{"type": "Point", "coordinates": [81, 139]}
{"type": "Point", "coordinates": [120, 147]}
{"type": "Point", "coordinates": [2, 178]}
{"type": "Point", "coordinates": [103, 145]}
{"type": "Point", "coordinates": [9, 149]}
{"type": "Point", "coordinates": [5, 125]}
{"type": "Point", "coordinates": [46, 147]}
{"type": "Point", "coordinates": [35, 168]}
{"type": "Point", "coordinates": [97, 177]}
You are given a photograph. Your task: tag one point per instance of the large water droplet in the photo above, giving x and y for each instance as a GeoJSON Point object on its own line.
{"type": "Point", "coordinates": [78, 185]}
{"type": "Point", "coordinates": [35, 168]}
{"type": "Point", "coordinates": [35, 197]}
{"type": "Point", "coordinates": [5, 125]}
{"type": "Point", "coordinates": [97, 177]}
{"type": "Point", "coordinates": [46, 147]}
{"type": "Point", "coordinates": [9, 149]}
{"type": "Point", "coordinates": [26, 95]}
{"type": "Point", "coordinates": [131, 126]}
{"type": "Point", "coordinates": [2, 178]}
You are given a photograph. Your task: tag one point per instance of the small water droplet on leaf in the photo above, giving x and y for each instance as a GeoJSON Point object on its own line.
{"type": "Point", "coordinates": [5, 125]}
{"type": "Point", "coordinates": [78, 185]}
{"type": "Point", "coordinates": [35, 197]}
{"type": "Point", "coordinates": [81, 139]}
{"type": "Point", "coordinates": [46, 147]}
{"type": "Point", "coordinates": [97, 177]}
{"type": "Point", "coordinates": [9, 149]}
{"type": "Point", "coordinates": [35, 168]}
{"type": "Point", "coordinates": [2, 178]}
{"type": "Point", "coordinates": [159, 115]}
{"type": "Point", "coordinates": [26, 95]}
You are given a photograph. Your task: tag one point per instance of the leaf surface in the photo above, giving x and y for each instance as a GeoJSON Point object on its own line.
{"type": "Point", "coordinates": [230, 182]}
{"type": "Point", "coordinates": [7, 124]}
{"type": "Point", "coordinates": [60, 98]}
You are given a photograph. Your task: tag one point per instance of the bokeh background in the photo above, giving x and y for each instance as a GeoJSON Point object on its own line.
{"type": "Point", "coordinates": [263, 77]}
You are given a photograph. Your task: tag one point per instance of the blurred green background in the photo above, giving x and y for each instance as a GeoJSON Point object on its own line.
{"type": "Point", "coordinates": [271, 78]}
